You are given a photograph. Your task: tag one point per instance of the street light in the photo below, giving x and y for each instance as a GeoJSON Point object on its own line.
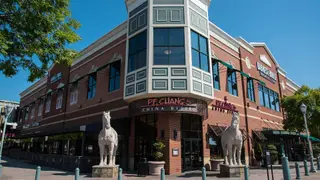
{"type": "Point", "coordinates": [303, 109]}
{"type": "Point", "coordinates": [6, 113]}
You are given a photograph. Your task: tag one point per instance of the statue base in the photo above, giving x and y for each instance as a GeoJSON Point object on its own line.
{"type": "Point", "coordinates": [105, 171]}
{"type": "Point", "coordinates": [232, 171]}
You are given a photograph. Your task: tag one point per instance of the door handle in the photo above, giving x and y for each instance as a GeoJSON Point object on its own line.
{"type": "Point", "coordinates": [192, 158]}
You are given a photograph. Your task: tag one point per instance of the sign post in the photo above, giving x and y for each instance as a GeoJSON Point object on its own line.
{"type": "Point", "coordinates": [269, 162]}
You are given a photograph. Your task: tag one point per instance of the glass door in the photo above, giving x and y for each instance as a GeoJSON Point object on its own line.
{"type": "Point", "coordinates": [191, 155]}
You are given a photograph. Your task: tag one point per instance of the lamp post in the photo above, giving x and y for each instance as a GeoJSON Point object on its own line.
{"type": "Point", "coordinates": [6, 114]}
{"type": "Point", "coordinates": [303, 108]}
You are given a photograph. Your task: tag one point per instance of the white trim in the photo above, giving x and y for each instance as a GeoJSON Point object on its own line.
{"type": "Point", "coordinates": [288, 84]}
{"type": "Point", "coordinates": [224, 37]}
{"type": "Point", "coordinates": [102, 42]}
{"type": "Point", "coordinates": [282, 71]}
{"type": "Point", "coordinates": [292, 84]}
{"type": "Point", "coordinates": [33, 87]}
{"type": "Point", "coordinates": [262, 44]}
{"type": "Point", "coordinates": [245, 44]}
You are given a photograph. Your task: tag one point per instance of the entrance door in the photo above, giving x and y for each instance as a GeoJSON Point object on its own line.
{"type": "Point", "coordinates": [191, 155]}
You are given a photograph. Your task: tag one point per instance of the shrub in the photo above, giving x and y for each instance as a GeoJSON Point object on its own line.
{"type": "Point", "coordinates": [273, 152]}
{"type": "Point", "coordinates": [258, 153]}
{"type": "Point", "coordinates": [157, 146]}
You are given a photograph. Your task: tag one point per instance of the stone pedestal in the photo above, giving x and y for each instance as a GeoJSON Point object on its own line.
{"type": "Point", "coordinates": [105, 171]}
{"type": "Point", "coordinates": [232, 171]}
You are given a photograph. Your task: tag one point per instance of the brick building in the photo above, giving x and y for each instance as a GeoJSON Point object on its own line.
{"type": "Point", "coordinates": [166, 73]}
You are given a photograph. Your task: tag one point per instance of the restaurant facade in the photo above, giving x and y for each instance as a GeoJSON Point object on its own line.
{"type": "Point", "coordinates": [167, 73]}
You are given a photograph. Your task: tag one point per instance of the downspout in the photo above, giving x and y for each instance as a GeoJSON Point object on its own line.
{"type": "Point", "coordinates": [245, 106]}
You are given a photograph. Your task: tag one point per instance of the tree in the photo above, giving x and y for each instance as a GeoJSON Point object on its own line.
{"type": "Point", "coordinates": [294, 120]}
{"type": "Point", "coordinates": [32, 30]}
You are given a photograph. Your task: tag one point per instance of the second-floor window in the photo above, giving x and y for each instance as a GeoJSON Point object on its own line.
{"type": "Point", "coordinates": [74, 93]}
{"type": "Point", "coordinates": [40, 109]}
{"type": "Point", "coordinates": [269, 98]}
{"type": "Point", "coordinates": [199, 49]}
{"type": "Point", "coordinates": [216, 75]}
{"type": "Point", "coordinates": [250, 89]}
{"type": "Point", "coordinates": [114, 76]}
{"type": "Point", "coordinates": [59, 99]}
{"type": "Point", "coordinates": [48, 103]}
{"type": "Point", "coordinates": [32, 111]}
{"type": "Point", "coordinates": [26, 114]}
{"type": "Point", "coordinates": [232, 85]}
{"type": "Point", "coordinates": [137, 51]}
{"type": "Point", "coordinates": [169, 46]}
{"type": "Point", "coordinates": [92, 85]}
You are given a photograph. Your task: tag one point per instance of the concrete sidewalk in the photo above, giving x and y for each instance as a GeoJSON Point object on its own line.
{"type": "Point", "coordinates": [19, 170]}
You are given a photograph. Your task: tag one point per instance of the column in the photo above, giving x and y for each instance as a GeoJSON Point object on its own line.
{"type": "Point", "coordinates": [131, 144]}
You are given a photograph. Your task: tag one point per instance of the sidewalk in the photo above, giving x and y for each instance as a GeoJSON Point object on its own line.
{"type": "Point", "coordinates": [19, 170]}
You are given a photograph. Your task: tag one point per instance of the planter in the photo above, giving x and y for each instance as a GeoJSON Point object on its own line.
{"type": "Point", "coordinates": [155, 167]}
{"type": "Point", "coordinates": [215, 164]}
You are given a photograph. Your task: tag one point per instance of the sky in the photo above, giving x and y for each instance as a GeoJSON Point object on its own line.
{"type": "Point", "coordinates": [290, 28]}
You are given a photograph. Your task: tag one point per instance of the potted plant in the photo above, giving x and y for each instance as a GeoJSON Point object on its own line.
{"type": "Point", "coordinates": [215, 163]}
{"type": "Point", "coordinates": [156, 165]}
{"type": "Point", "coordinates": [273, 153]}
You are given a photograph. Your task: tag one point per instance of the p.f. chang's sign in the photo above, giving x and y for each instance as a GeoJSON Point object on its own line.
{"type": "Point", "coordinates": [169, 104]}
{"type": "Point", "coordinates": [224, 106]}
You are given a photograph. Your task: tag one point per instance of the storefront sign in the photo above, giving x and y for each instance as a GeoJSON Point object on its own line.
{"type": "Point", "coordinates": [221, 106]}
{"type": "Point", "coordinates": [169, 104]}
{"type": "Point", "coordinates": [266, 73]}
{"type": "Point", "coordinates": [56, 78]}
{"type": "Point", "coordinates": [175, 152]}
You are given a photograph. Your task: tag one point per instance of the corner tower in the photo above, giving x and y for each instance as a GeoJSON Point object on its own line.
{"type": "Point", "coordinates": [168, 50]}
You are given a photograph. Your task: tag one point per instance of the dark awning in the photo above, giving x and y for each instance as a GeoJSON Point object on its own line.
{"type": "Point", "coordinates": [313, 139]}
{"type": "Point", "coordinates": [260, 135]}
{"type": "Point", "coordinates": [217, 130]}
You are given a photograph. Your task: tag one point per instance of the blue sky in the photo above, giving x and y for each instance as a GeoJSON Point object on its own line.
{"type": "Point", "coordinates": [291, 29]}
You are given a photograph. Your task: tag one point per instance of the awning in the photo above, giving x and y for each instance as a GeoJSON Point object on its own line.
{"type": "Point", "coordinates": [61, 85]}
{"type": "Point", "coordinates": [260, 135]}
{"type": "Point", "coordinates": [49, 91]}
{"type": "Point", "coordinates": [241, 72]}
{"type": "Point", "coordinates": [314, 139]}
{"type": "Point", "coordinates": [217, 130]}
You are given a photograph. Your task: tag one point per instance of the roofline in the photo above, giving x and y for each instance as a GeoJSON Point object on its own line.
{"type": "Point", "coordinates": [9, 102]}
{"type": "Point", "coordinates": [262, 44]}
{"type": "Point", "coordinates": [245, 44]}
{"type": "Point", "coordinates": [34, 86]}
{"type": "Point", "coordinates": [228, 38]}
{"type": "Point", "coordinates": [292, 83]}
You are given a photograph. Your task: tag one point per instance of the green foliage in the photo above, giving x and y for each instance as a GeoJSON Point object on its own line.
{"type": "Point", "coordinates": [294, 120]}
{"type": "Point", "coordinates": [35, 30]}
{"type": "Point", "coordinates": [258, 152]}
{"type": "Point", "coordinates": [273, 152]}
{"type": "Point", "coordinates": [157, 146]}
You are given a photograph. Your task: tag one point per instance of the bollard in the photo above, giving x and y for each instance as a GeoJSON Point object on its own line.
{"type": "Point", "coordinates": [297, 170]}
{"type": "Point", "coordinates": [318, 163]}
{"type": "Point", "coordinates": [204, 174]}
{"type": "Point", "coordinates": [306, 171]}
{"type": "Point", "coordinates": [77, 175]}
{"type": "Point", "coordinates": [0, 170]}
{"type": "Point", "coordinates": [285, 168]}
{"type": "Point", "coordinates": [246, 173]}
{"type": "Point", "coordinates": [38, 170]}
{"type": "Point", "coordinates": [163, 176]}
{"type": "Point", "coordinates": [120, 174]}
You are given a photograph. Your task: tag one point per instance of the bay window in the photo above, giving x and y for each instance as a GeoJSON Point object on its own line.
{"type": "Point", "coordinates": [169, 46]}
{"type": "Point", "coordinates": [137, 51]}
{"type": "Point", "coordinates": [199, 47]}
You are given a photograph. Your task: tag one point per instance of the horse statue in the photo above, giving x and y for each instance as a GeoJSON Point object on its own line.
{"type": "Point", "coordinates": [108, 139]}
{"type": "Point", "coordinates": [231, 140]}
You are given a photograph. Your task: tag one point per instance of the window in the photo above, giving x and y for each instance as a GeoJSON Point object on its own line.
{"type": "Point", "coordinates": [269, 98]}
{"type": "Point", "coordinates": [216, 75]}
{"type": "Point", "coordinates": [250, 87]}
{"type": "Point", "coordinates": [74, 93]}
{"type": "Point", "coordinates": [92, 85]}
{"type": "Point", "coordinates": [232, 82]}
{"type": "Point", "coordinates": [26, 114]}
{"type": "Point", "coordinates": [137, 51]}
{"type": "Point", "coordinates": [114, 76]}
{"type": "Point", "coordinates": [59, 99]}
{"type": "Point", "coordinates": [40, 108]}
{"type": "Point", "coordinates": [261, 96]}
{"type": "Point", "coordinates": [169, 46]}
{"type": "Point", "coordinates": [48, 103]}
{"type": "Point", "coordinates": [32, 111]}
{"type": "Point", "coordinates": [199, 48]}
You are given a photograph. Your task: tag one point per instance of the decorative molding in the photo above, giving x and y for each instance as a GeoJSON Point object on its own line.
{"type": "Point", "coordinates": [141, 87]}
{"type": "Point", "coordinates": [197, 86]}
{"type": "Point", "coordinates": [207, 78]}
{"type": "Point", "coordinates": [130, 78]}
{"type": "Point", "coordinates": [160, 71]}
{"type": "Point", "coordinates": [178, 71]}
{"type": "Point", "coordinates": [141, 74]}
{"type": "Point", "coordinates": [130, 90]}
{"type": "Point", "coordinates": [196, 74]}
{"type": "Point", "coordinates": [156, 82]}
{"type": "Point", "coordinates": [207, 90]}
{"type": "Point", "coordinates": [174, 84]}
